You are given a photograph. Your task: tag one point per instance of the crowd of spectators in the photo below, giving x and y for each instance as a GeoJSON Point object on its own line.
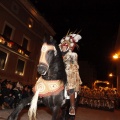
{"type": "Point", "coordinates": [100, 98]}
{"type": "Point", "coordinates": [12, 92]}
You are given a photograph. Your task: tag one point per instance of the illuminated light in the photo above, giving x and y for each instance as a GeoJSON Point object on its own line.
{"type": "Point", "coordinates": [26, 55]}
{"type": "Point", "coordinates": [97, 82]}
{"type": "Point", "coordinates": [10, 44]}
{"type": "Point", "coordinates": [116, 56]}
{"type": "Point", "coordinates": [19, 73]}
{"type": "Point", "coordinates": [110, 74]}
{"type": "Point", "coordinates": [108, 83]}
{"type": "Point", "coordinates": [2, 40]}
{"type": "Point", "coordinates": [30, 22]}
{"type": "Point", "coordinates": [20, 51]}
{"type": "Point", "coordinates": [30, 26]}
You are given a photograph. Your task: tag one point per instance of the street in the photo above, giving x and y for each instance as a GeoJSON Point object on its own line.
{"type": "Point", "coordinates": [82, 113]}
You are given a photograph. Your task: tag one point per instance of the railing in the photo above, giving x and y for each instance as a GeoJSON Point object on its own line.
{"type": "Point", "coordinates": [13, 46]}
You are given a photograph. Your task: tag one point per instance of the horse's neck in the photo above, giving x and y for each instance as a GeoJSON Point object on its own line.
{"type": "Point", "coordinates": [56, 71]}
{"type": "Point", "coordinates": [53, 74]}
{"type": "Point", "coordinates": [50, 75]}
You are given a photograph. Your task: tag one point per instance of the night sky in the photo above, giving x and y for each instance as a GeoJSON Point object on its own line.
{"type": "Point", "coordinates": [97, 20]}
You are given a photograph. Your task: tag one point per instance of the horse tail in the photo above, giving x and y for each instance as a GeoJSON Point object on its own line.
{"type": "Point", "coordinates": [33, 106]}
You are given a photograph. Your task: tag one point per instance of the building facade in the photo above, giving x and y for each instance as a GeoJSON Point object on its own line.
{"type": "Point", "coordinates": [22, 30]}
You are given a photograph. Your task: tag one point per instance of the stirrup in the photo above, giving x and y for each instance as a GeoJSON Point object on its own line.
{"type": "Point", "coordinates": [72, 110]}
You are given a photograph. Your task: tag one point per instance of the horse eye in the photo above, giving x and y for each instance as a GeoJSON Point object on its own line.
{"type": "Point", "coordinates": [44, 49]}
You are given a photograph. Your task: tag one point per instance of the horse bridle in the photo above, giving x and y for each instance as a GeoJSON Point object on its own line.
{"type": "Point", "coordinates": [42, 61]}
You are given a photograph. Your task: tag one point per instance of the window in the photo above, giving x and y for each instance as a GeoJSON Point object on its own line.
{"type": "Point", "coordinates": [8, 30]}
{"type": "Point", "coordinates": [20, 67]}
{"type": "Point", "coordinates": [25, 43]}
{"type": "Point", "coordinates": [3, 59]}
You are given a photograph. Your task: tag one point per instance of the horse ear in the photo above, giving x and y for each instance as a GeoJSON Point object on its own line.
{"type": "Point", "coordinates": [52, 40]}
{"type": "Point", "coordinates": [49, 39]}
{"type": "Point", "coordinates": [45, 39]}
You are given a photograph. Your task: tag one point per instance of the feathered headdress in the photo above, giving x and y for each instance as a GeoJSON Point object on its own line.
{"type": "Point", "coordinates": [70, 40]}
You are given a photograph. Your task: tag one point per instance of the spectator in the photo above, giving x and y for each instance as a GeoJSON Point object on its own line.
{"type": "Point", "coordinates": [3, 83]}
{"type": "Point", "coordinates": [30, 90]}
{"type": "Point", "coordinates": [7, 96]}
{"type": "Point", "coordinates": [25, 92]}
{"type": "Point", "coordinates": [17, 93]}
{"type": "Point", "coordinates": [1, 98]}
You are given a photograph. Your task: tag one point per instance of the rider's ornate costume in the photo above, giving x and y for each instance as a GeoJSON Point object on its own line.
{"type": "Point", "coordinates": [70, 59]}
{"type": "Point", "coordinates": [67, 45]}
{"type": "Point", "coordinates": [73, 77]}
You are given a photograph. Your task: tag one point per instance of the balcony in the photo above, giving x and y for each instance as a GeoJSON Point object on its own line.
{"type": "Point", "coordinates": [13, 46]}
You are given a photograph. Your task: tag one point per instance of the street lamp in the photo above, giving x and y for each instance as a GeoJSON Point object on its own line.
{"type": "Point", "coordinates": [111, 75]}
{"type": "Point", "coordinates": [115, 56]}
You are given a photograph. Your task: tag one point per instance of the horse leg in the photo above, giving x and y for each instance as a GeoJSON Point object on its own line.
{"type": "Point", "coordinates": [56, 111]}
{"type": "Point", "coordinates": [65, 109]}
{"type": "Point", "coordinates": [72, 117]}
{"type": "Point", "coordinates": [17, 110]}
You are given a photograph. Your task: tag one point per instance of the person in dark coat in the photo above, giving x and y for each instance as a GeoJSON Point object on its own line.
{"type": "Point", "coordinates": [8, 98]}
{"type": "Point", "coordinates": [25, 93]}
{"type": "Point", "coordinates": [17, 93]}
{"type": "Point", "coordinates": [1, 98]}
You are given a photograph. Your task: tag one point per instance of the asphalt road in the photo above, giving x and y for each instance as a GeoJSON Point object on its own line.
{"type": "Point", "coordinates": [82, 113]}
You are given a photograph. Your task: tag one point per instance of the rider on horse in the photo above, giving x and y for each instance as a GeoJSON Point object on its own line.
{"type": "Point", "coordinates": [67, 45]}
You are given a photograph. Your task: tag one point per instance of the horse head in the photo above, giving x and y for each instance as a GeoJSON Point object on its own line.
{"type": "Point", "coordinates": [51, 64]}
{"type": "Point", "coordinates": [47, 54]}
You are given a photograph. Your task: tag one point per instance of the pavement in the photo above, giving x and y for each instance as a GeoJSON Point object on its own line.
{"type": "Point", "coordinates": [43, 113]}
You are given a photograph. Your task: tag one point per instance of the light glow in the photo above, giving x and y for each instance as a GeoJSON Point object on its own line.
{"type": "Point", "coordinates": [115, 56]}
